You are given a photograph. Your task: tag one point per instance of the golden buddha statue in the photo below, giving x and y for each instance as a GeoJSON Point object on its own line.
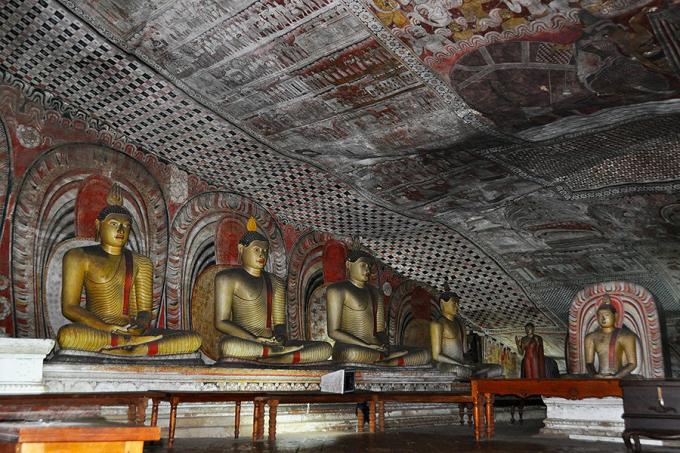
{"type": "Point", "coordinates": [616, 348]}
{"type": "Point", "coordinates": [356, 320]}
{"type": "Point", "coordinates": [449, 342]}
{"type": "Point", "coordinates": [118, 286]}
{"type": "Point", "coordinates": [250, 309]}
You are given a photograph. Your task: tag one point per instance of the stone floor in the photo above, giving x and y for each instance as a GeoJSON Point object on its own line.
{"type": "Point", "coordinates": [508, 438]}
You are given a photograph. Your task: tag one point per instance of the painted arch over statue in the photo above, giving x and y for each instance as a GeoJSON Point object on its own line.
{"type": "Point", "coordinates": [636, 310]}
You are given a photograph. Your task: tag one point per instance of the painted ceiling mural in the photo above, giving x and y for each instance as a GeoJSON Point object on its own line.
{"type": "Point", "coordinates": [522, 148]}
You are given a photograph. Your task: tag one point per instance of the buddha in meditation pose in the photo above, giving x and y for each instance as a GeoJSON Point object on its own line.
{"type": "Point", "coordinates": [356, 320]}
{"type": "Point", "coordinates": [250, 310]}
{"type": "Point", "coordinates": [616, 348]}
{"type": "Point", "coordinates": [531, 346]}
{"type": "Point", "coordinates": [449, 341]}
{"type": "Point", "coordinates": [118, 286]}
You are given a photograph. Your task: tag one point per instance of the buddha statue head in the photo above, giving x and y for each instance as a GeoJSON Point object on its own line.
{"type": "Point", "coordinates": [253, 248]}
{"type": "Point", "coordinates": [358, 266]}
{"type": "Point", "coordinates": [449, 303]}
{"type": "Point", "coordinates": [113, 223]}
{"type": "Point", "coordinates": [529, 328]}
{"type": "Point", "coordinates": [606, 313]}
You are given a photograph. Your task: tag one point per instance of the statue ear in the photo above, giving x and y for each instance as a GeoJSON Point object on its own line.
{"type": "Point", "coordinates": [97, 224]}
{"type": "Point", "coordinates": [240, 248]}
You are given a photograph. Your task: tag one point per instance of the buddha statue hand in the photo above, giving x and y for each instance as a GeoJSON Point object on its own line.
{"type": "Point", "coordinates": [391, 355]}
{"type": "Point", "coordinates": [280, 334]}
{"type": "Point", "coordinates": [130, 341]}
{"type": "Point", "coordinates": [268, 341]}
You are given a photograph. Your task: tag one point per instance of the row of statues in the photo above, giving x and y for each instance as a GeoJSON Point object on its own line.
{"type": "Point", "coordinates": [250, 312]}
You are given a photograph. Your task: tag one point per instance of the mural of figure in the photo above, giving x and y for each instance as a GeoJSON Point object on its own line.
{"type": "Point", "coordinates": [250, 308]}
{"type": "Point", "coordinates": [118, 286]}
{"type": "Point", "coordinates": [356, 320]}
{"type": "Point", "coordinates": [615, 348]}
{"type": "Point", "coordinates": [449, 342]}
{"type": "Point", "coordinates": [531, 346]}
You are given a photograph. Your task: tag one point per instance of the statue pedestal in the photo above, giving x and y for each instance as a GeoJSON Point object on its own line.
{"type": "Point", "coordinates": [213, 419]}
{"type": "Point", "coordinates": [597, 419]}
{"type": "Point", "coordinates": [21, 362]}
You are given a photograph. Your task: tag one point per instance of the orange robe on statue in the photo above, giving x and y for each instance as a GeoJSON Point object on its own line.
{"type": "Point", "coordinates": [533, 363]}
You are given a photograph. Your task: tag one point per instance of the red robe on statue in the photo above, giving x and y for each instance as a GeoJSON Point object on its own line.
{"type": "Point", "coordinates": [533, 363]}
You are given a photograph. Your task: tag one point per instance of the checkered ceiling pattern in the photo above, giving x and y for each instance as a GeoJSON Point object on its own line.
{"type": "Point", "coordinates": [51, 50]}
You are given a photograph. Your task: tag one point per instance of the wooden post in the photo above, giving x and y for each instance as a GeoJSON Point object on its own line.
{"type": "Point", "coordinates": [371, 415]}
{"type": "Point", "coordinates": [154, 412]}
{"type": "Point", "coordinates": [273, 405]}
{"type": "Point", "coordinates": [489, 415]}
{"type": "Point", "coordinates": [237, 419]}
{"type": "Point", "coordinates": [256, 419]}
{"type": "Point", "coordinates": [381, 416]}
{"type": "Point", "coordinates": [173, 420]}
{"type": "Point", "coordinates": [360, 418]}
{"type": "Point", "coordinates": [260, 422]}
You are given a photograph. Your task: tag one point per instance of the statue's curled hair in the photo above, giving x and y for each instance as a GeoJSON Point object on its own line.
{"type": "Point", "coordinates": [113, 209]}
{"type": "Point", "coordinates": [356, 254]}
{"type": "Point", "coordinates": [251, 236]}
{"type": "Point", "coordinates": [448, 295]}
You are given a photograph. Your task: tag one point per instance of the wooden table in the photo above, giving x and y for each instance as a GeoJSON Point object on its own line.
{"type": "Point", "coordinates": [274, 399]}
{"type": "Point", "coordinates": [573, 389]}
{"type": "Point", "coordinates": [430, 397]}
{"type": "Point", "coordinates": [39, 437]}
{"type": "Point", "coordinates": [175, 398]}
{"type": "Point", "coordinates": [136, 402]}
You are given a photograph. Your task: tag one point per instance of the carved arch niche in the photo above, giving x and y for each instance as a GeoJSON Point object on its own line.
{"type": "Point", "coordinates": [5, 165]}
{"type": "Point", "coordinates": [639, 315]}
{"type": "Point", "coordinates": [306, 285]}
{"type": "Point", "coordinates": [203, 240]}
{"type": "Point", "coordinates": [57, 202]}
{"type": "Point", "coordinates": [412, 307]}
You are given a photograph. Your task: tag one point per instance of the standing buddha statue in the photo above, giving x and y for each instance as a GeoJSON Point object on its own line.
{"type": "Point", "coordinates": [118, 283]}
{"type": "Point", "coordinates": [356, 320]}
{"type": "Point", "coordinates": [250, 309]}
{"type": "Point", "coordinates": [615, 348]}
{"type": "Point", "coordinates": [531, 347]}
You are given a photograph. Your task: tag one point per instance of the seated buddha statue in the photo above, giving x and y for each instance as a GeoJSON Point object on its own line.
{"type": "Point", "coordinates": [116, 318]}
{"type": "Point", "coordinates": [250, 309]}
{"type": "Point", "coordinates": [449, 342]}
{"type": "Point", "coordinates": [356, 320]}
{"type": "Point", "coordinates": [615, 348]}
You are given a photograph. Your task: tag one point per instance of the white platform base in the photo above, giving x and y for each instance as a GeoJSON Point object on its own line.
{"type": "Point", "coordinates": [21, 362]}
{"type": "Point", "coordinates": [594, 419]}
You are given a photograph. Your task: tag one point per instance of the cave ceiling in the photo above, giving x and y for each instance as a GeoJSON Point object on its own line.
{"type": "Point", "coordinates": [514, 149]}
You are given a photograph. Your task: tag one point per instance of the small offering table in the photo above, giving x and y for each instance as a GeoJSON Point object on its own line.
{"type": "Point", "coordinates": [573, 389]}
{"type": "Point", "coordinates": [39, 437]}
{"type": "Point", "coordinates": [13, 405]}
{"type": "Point", "coordinates": [274, 399]}
{"type": "Point", "coordinates": [430, 397]}
{"type": "Point", "coordinates": [174, 398]}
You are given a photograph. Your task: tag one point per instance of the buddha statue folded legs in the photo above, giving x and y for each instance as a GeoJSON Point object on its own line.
{"type": "Point", "coordinates": [118, 286]}
{"type": "Point", "coordinates": [250, 310]}
{"type": "Point", "coordinates": [356, 320]}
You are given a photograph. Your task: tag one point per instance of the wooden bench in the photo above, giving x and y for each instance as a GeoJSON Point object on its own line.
{"type": "Point", "coordinates": [573, 389]}
{"type": "Point", "coordinates": [175, 398]}
{"type": "Point", "coordinates": [40, 437]}
{"type": "Point", "coordinates": [430, 397]}
{"type": "Point", "coordinates": [13, 405]}
{"type": "Point", "coordinates": [274, 399]}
